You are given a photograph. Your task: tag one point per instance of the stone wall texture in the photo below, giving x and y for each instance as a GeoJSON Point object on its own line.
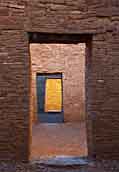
{"type": "Point", "coordinates": [69, 60]}
{"type": "Point", "coordinates": [100, 19]}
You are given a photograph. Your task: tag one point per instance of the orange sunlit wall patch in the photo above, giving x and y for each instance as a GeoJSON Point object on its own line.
{"type": "Point", "coordinates": [53, 95]}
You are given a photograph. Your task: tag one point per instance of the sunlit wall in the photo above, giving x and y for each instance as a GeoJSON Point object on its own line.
{"type": "Point", "coordinates": [53, 95]}
{"type": "Point", "coordinates": [68, 59]}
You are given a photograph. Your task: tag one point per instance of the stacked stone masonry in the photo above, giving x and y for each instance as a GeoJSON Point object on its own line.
{"type": "Point", "coordinates": [68, 59]}
{"type": "Point", "coordinates": [100, 19]}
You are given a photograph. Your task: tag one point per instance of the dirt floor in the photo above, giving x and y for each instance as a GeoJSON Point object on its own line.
{"type": "Point", "coordinates": [49, 140]}
{"type": "Point", "coordinates": [59, 139]}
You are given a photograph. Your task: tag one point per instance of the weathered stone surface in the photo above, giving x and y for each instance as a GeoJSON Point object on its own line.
{"type": "Point", "coordinates": [69, 60]}
{"type": "Point", "coordinates": [37, 166]}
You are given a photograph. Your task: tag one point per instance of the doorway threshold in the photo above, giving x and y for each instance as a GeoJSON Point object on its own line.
{"type": "Point", "coordinates": [62, 161]}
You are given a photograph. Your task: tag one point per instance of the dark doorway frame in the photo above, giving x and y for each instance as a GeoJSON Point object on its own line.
{"type": "Point", "coordinates": [50, 38]}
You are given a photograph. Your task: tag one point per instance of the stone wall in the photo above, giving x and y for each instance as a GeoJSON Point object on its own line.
{"type": "Point", "coordinates": [100, 18]}
{"type": "Point", "coordinates": [68, 59]}
{"type": "Point", "coordinates": [14, 94]}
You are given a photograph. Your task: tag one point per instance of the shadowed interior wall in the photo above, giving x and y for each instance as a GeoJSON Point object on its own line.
{"type": "Point", "coordinates": [68, 59]}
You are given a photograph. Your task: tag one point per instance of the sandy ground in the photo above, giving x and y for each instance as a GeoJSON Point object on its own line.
{"type": "Point", "coordinates": [59, 139]}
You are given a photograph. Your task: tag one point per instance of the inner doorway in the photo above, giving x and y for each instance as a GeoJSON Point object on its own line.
{"type": "Point", "coordinates": [60, 54]}
{"type": "Point", "coordinates": [50, 98]}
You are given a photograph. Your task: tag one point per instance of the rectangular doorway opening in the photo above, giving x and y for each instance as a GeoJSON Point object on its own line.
{"type": "Point", "coordinates": [49, 97]}
{"type": "Point", "coordinates": [58, 99]}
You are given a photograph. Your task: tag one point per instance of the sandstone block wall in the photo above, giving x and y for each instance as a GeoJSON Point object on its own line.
{"type": "Point", "coordinates": [100, 19]}
{"type": "Point", "coordinates": [69, 60]}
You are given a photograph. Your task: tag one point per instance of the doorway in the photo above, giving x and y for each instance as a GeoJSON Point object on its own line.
{"type": "Point", "coordinates": [58, 57]}
{"type": "Point", "coordinates": [50, 98]}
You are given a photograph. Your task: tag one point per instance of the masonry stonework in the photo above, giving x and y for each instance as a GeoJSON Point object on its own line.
{"type": "Point", "coordinates": [68, 59]}
{"type": "Point", "coordinates": [100, 19]}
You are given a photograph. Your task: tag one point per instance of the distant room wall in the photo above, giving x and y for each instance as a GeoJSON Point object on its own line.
{"type": "Point", "coordinates": [68, 59]}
